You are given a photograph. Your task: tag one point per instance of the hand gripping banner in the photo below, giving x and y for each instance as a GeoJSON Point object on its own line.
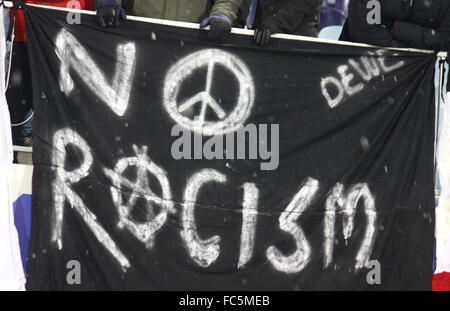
{"type": "Point", "coordinates": [164, 161]}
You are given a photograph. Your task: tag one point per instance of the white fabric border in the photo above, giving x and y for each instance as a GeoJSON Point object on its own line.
{"type": "Point", "coordinates": [11, 272]}
{"type": "Point", "coordinates": [443, 209]}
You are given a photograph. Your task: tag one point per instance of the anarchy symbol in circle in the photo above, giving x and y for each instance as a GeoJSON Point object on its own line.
{"type": "Point", "coordinates": [226, 122]}
{"type": "Point", "coordinates": [140, 189]}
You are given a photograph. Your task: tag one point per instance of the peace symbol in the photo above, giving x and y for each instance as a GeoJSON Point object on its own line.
{"type": "Point", "coordinates": [226, 122]}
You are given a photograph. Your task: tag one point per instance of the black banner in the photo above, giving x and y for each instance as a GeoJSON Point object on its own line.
{"type": "Point", "coordinates": [164, 161]}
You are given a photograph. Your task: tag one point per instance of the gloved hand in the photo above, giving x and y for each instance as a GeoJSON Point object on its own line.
{"type": "Point", "coordinates": [220, 27]}
{"type": "Point", "coordinates": [110, 13]}
{"type": "Point", "coordinates": [262, 35]}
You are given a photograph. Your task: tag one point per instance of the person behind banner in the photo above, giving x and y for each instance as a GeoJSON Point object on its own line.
{"type": "Point", "coordinates": [421, 24]}
{"type": "Point", "coordinates": [219, 14]}
{"type": "Point", "coordinates": [296, 17]}
{"type": "Point", "coordinates": [19, 93]}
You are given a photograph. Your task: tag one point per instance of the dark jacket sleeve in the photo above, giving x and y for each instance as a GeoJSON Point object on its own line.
{"type": "Point", "coordinates": [416, 36]}
{"type": "Point", "coordinates": [118, 1]}
{"type": "Point", "coordinates": [359, 30]}
{"type": "Point", "coordinates": [291, 14]}
{"type": "Point", "coordinates": [228, 8]}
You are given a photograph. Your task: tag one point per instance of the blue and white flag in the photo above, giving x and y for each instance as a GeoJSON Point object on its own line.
{"type": "Point", "coordinates": [11, 271]}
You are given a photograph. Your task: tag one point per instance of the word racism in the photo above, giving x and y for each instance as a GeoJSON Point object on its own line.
{"type": "Point", "coordinates": [214, 146]}
{"type": "Point", "coordinates": [206, 252]}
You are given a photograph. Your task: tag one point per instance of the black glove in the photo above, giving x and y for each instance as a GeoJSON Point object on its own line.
{"type": "Point", "coordinates": [262, 35]}
{"type": "Point", "coordinates": [110, 13]}
{"type": "Point", "coordinates": [220, 27]}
